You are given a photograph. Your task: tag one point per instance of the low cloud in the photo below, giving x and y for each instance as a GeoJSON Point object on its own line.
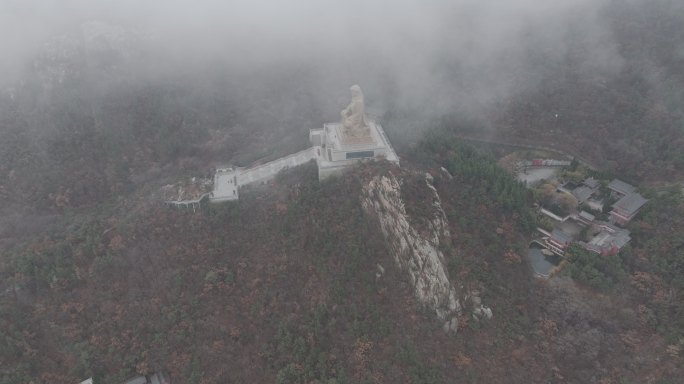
{"type": "Point", "coordinates": [434, 55]}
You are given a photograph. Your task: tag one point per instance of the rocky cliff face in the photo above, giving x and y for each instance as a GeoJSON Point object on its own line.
{"type": "Point", "coordinates": [418, 254]}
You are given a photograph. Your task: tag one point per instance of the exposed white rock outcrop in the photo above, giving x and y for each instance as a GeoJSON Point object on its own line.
{"type": "Point", "coordinates": [418, 255]}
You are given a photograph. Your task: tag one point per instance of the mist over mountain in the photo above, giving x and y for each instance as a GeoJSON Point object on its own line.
{"type": "Point", "coordinates": [436, 55]}
{"type": "Point", "coordinates": [466, 58]}
{"type": "Point", "coordinates": [105, 103]}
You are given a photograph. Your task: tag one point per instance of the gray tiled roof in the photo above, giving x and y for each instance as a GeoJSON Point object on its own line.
{"type": "Point", "coordinates": [630, 203]}
{"type": "Point", "coordinates": [582, 193]}
{"type": "Point", "coordinates": [561, 236]}
{"type": "Point", "coordinates": [621, 239]}
{"type": "Point", "coordinates": [609, 237]}
{"type": "Point", "coordinates": [621, 187]}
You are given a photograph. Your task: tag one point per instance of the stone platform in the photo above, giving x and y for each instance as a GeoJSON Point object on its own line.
{"type": "Point", "coordinates": [336, 151]}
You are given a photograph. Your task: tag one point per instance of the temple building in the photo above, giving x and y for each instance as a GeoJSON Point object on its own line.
{"type": "Point", "coordinates": [629, 203]}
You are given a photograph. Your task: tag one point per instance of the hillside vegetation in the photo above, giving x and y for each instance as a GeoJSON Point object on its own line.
{"type": "Point", "coordinates": [282, 287]}
{"type": "Point", "coordinates": [99, 279]}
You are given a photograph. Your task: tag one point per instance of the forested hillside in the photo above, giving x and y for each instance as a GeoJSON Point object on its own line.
{"type": "Point", "coordinates": [284, 287]}
{"type": "Point", "coordinates": [97, 278]}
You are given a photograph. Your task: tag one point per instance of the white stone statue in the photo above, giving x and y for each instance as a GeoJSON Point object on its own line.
{"type": "Point", "coordinates": [354, 116]}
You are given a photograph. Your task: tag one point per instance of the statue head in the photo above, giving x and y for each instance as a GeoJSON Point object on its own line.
{"type": "Point", "coordinates": [356, 92]}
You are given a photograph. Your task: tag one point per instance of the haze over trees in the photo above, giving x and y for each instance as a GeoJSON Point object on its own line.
{"type": "Point", "coordinates": [101, 103]}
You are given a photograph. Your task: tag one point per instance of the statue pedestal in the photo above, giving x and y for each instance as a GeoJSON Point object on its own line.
{"type": "Point", "coordinates": [336, 150]}
{"type": "Point", "coordinates": [360, 138]}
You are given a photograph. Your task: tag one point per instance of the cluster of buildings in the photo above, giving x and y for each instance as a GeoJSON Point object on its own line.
{"type": "Point", "coordinates": [604, 237]}
{"type": "Point", "coordinates": [627, 201]}
{"type": "Point", "coordinates": [585, 192]}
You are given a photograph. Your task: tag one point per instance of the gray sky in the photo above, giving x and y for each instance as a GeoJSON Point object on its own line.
{"type": "Point", "coordinates": [408, 42]}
